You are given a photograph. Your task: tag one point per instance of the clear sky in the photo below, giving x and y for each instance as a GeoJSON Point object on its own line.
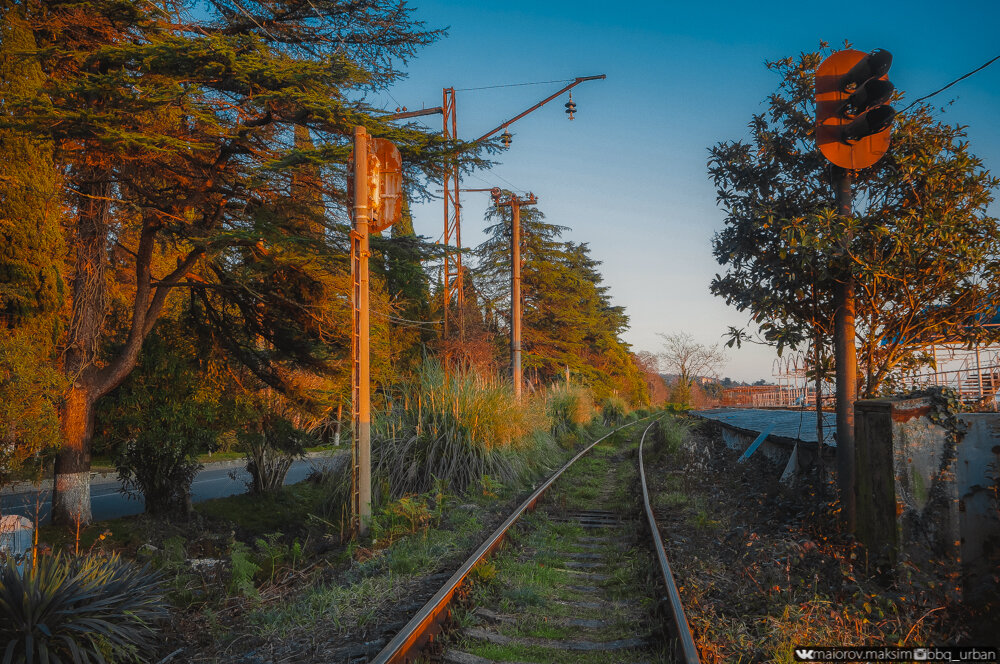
{"type": "Point", "coordinates": [628, 175]}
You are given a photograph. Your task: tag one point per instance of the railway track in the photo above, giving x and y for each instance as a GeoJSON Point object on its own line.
{"type": "Point", "coordinates": [582, 577]}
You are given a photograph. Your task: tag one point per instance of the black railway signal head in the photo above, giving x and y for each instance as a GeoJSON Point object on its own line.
{"type": "Point", "coordinates": [852, 119]}
{"type": "Point", "coordinates": [871, 122]}
{"type": "Point", "coordinates": [874, 65]}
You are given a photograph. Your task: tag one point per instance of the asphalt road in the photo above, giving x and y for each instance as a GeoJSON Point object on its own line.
{"type": "Point", "coordinates": [108, 502]}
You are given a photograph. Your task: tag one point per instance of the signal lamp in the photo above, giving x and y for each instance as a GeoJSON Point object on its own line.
{"type": "Point", "coordinates": [852, 120]}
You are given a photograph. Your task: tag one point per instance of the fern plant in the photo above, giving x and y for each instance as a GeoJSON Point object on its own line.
{"type": "Point", "coordinates": [78, 609]}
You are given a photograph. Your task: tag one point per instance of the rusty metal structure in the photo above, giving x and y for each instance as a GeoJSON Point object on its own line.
{"type": "Point", "coordinates": [453, 286]}
{"type": "Point", "coordinates": [515, 204]}
{"type": "Point", "coordinates": [452, 280]}
{"type": "Point", "coordinates": [376, 190]}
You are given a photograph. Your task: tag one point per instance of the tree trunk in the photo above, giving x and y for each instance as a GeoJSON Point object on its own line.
{"type": "Point", "coordinates": [71, 493]}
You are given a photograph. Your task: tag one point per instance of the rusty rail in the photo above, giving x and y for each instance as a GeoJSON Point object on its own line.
{"type": "Point", "coordinates": [686, 650]}
{"type": "Point", "coordinates": [426, 624]}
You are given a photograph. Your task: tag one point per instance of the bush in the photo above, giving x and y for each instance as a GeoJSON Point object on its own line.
{"type": "Point", "coordinates": [160, 466]}
{"type": "Point", "coordinates": [613, 411]}
{"type": "Point", "coordinates": [91, 608]}
{"type": "Point", "coordinates": [669, 434]}
{"type": "Point", "coordinates": [569, 407]}
{"type": "Point", "coordinates": [158, 421]}
{"type": "Point", "coordinates": [271, 451]}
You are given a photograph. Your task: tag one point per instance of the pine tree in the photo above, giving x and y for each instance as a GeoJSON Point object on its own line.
{"type": "Point", "coordinates": [178, 137]}
{"type": "Point", "coordinates": [31, 257]}
{"type": "Point", "coordinates": [568, 319]}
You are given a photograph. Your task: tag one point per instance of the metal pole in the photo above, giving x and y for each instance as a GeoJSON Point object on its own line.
{"type": "Point", "coordinates": [515, 295]}
{"type": "Point", "coordinates": [361, 378]}
{"type": "Point", "coordinates": [446, 181]}
{"type": "Point", "coordinates": [979, 371]}
{"type": "Point", "coordinates": [846, 360]}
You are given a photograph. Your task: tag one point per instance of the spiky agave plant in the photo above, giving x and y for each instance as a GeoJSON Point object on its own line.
{"type": "Point", "coordinates": [78, 609]}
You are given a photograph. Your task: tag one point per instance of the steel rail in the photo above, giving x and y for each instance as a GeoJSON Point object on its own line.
{"type": "Point", "coordinates": [426, 624]}
{"type": "Point", "coordinates": [687, 651]}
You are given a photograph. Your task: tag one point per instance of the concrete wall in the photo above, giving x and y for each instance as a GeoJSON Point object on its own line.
{"type": "Point", "coordinates": [921, 498]}
{"type": "Point", "coordinates": [977, 469]}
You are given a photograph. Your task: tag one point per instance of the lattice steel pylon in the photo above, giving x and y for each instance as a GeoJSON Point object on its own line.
{"type": "Point", "coordinates": [453, 281]}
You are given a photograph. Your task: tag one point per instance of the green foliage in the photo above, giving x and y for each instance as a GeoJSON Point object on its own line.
{"type": "Point", "coordinates": [568, 317]}
{"type": "Point", "coordinates": [30, 391]}
{"type": "Point", "coordinates": [162, 417]}
{"type": "Point", "coordinates": [614, 410]}
{"type": "Point", "coordinates": [242, 569]}
{"type": "Point", "coordinates": [31, 284]}
{"type": "Point", "coordinates": [406, 516]}
{"type": "Point", "coordinates": [272, 555]}
{"type": "Point", "coordinates": [31, 241]}
{"type": "Point", "coordinates": [86, 609]}
{"type": "Point", "coordinates": [455, 428]}
{"type": "Point", "coordinates": [271, 451]}
{"type": "Point", "coordinates": [569, 407]}
{"type": "Point", "coordinates": [920, 242]}
{"type": "Point", "coordinates": [669, 434]}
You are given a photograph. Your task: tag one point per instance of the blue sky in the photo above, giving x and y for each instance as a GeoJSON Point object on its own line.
{"type": "Point", "coordinates": [628, 175]}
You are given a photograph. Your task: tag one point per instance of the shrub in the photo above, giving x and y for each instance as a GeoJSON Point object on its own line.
{"type": "Point", "coordinates": [613, 410]}
{"type": "Point", "coordinates": [79, 609]}
{"type": "Point", "coordinates": [160, 465]}
{"type": "Point", "coordinates": [158, 421]}
{"type": "Point", "coordinates": [271, 451]}
{"type": "Point", "coordinates": [668, 436]}
{"type": "Point", "coordinates": [569, 407]}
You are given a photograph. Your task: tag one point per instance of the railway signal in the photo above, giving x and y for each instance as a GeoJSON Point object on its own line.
{"type": "Point", "coordinates": [376, 190]}
{"type": "Point", "coordinates": [853, 122]}
{"type": "Point", "coordinates": [853, 125]}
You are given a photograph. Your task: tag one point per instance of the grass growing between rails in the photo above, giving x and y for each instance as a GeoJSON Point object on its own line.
{"type": "Point", "coordinates": [534, 593]}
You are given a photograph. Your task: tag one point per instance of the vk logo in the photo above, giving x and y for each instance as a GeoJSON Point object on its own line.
{"type": "Point", "coordinates": [803, 655]}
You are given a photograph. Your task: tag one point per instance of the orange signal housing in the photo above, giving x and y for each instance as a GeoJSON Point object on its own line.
{"type": "Point", "coordinates": [830, 99]}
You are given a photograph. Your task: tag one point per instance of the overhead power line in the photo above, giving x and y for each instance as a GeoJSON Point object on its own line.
{"type": "Point", "coordinates": [960, 78]}
{"type": "Point", "coordinates": [513, 85]}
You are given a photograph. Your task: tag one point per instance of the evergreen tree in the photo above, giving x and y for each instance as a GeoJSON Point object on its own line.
{"type": "Point", "coordinates": [178, 138]}
{"type": "Point", "coordinates": [567, 316]}
{"type": "Point", "coordinates": [31, 264]}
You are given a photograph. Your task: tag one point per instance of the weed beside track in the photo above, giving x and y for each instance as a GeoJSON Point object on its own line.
{"type": "Point", "coordinates": [762, 568]}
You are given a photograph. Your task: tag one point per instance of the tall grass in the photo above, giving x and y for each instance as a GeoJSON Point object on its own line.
{"type": "Point", "coordinates": [569, 407]}
{"type": "Point", "coordinates": [457, 428]}
{"type": "Point", "coordinates": [669, 434]}
{"type": "Point", "coordinates": [614, 410]}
